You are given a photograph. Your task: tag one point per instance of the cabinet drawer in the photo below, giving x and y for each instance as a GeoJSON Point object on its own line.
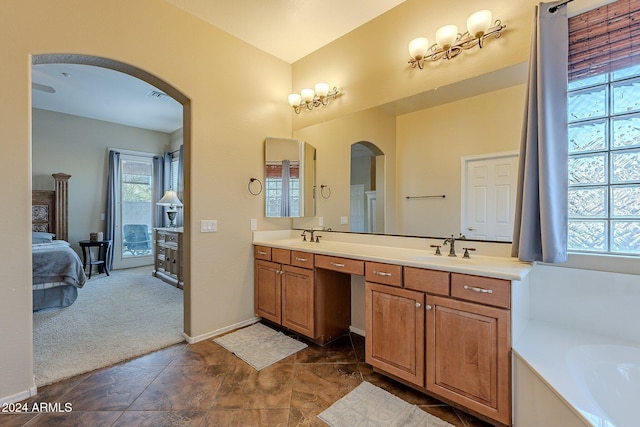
{"type": "Point", "coordinates": [484, 290]}
{"type": "Point", "coordinates": [429, 281]}
{"type": "Point", "coordinates": [262, 252]}
{"type": "Point", "coordinates": [171, 239]}
{"type": "Point", "coordinates": [387, 274]}
{"type": "Point", "coordinates": [283, 256]}
{"type": "Point", "coordinates": [343, 265]}
{"type": "Point", "coordinates": [302, 259]}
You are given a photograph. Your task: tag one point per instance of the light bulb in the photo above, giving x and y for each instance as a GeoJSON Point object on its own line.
{"type": "Point", "coordinates": [479, 22]}
{"type": "Point", "coordinates": [322, 89]}
{"type": "Point", "coordinates": [295, 100]}
{"type": "Point", "coordinates": [446, 36]}
{"type": "Point", "coordinates": [418, 47]}
{"type": "Point", "coordinates": [307, 95]}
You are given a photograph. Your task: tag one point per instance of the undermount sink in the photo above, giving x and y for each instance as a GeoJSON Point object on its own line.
{"type": "Point", "coordinates": [440, 258]}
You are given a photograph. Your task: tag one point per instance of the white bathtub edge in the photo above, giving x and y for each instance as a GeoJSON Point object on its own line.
{"type": "Point", "coordinates": [543, 348]}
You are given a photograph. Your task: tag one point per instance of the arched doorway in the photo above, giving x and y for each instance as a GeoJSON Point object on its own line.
{"type": "Point", "coordinates": [367, 188]}
{"type": "Point", "coordinates": [166, 88]}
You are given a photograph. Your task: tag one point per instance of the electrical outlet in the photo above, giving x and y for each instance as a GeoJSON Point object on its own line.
{"type": "Point", "coordinates": [254, 224]}
{"type": "Point", "coordinates": [209, 226]}
{"type": "Point", "coordinates": [344, 220]}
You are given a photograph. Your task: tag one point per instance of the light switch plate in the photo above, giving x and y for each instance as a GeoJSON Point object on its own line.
{"type": "Point", "coordinates": [321, 221]}
{"type": "Point", "coordinates": [209, 226]}
{"type": "Point", "coordinates": [344, 220]}
{"type": "Point", "coordinates": [254, 224]}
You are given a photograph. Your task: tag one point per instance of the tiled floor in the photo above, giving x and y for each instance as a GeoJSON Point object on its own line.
{"type": "Point", "coordinates": [205, 385]}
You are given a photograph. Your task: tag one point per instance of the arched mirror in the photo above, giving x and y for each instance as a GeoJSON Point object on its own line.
{"type": "Point", "coordinates": [367, 188]}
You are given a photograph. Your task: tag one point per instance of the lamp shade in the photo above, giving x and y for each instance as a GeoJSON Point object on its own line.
{"type": "Point", "coordinates": [479, 22]}
{"type": "Point", "coordinates": [170, 198]}
{"type": "Point", "coordinates": [307, 95]}
{"type": "Point", "coordinates": [418, 47]}
{"type": "Point", "coordinates": [446, 36]}
{"type": "Point", "coordinates": [295, 100]}
{"type": "Point", "coordinates": [322, 89]}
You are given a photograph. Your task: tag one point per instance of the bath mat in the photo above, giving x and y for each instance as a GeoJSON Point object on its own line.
{"type": "Point", "coordinates": [371, 406]}
{"type": "Point", "coordinates": [259, 345]}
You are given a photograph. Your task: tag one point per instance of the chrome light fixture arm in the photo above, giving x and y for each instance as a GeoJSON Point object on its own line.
{"type": "Point", "coordinates": [463, 42]}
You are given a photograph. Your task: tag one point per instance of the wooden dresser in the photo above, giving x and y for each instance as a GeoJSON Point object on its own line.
{"type": "Point", "coordinates": [168, 255]}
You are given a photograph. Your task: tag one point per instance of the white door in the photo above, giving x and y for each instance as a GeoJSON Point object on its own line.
{"type": "Point", "coordinates": [489, 196]}
{"type": "Point", "coordinates": [357, 208]}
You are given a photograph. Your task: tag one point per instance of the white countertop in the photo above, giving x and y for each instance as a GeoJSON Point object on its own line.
{"type": "Point", "coordinates": [489, 266]}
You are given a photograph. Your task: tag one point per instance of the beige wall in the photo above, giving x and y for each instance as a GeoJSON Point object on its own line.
{"type": "Point", "coordinates": [78, 146]}
{"type": "Point", "coordinates": [237, 97]}
{"type": "Point", "coordinates": [333, 140]}
{"type": "Point", "coordinates": [430, 146]}
{"type": "Point", "coordinates": [370, 65]}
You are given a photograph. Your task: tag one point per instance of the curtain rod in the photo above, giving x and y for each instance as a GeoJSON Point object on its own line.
{"type": "Point", "coordinates": [554, 9]}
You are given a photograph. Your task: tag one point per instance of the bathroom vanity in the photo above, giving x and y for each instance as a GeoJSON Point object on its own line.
{"type": "Point", "coordinates": [439, 324]}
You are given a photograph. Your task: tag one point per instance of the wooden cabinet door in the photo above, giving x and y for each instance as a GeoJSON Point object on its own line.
{"type": "Point", "coordinates": [298, 300]}
{"type": "Point", "coordinates": [268, 290]}
{"type": "Point", "coordinates": [468, 355]}
{"type": "Point", "coordinates": [395, 335]}
{"type": "Point", "coordinates": [172, 261]}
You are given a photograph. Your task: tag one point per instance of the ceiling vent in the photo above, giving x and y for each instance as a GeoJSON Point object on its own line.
{"type": "Point", "coordinates": [157, 94]}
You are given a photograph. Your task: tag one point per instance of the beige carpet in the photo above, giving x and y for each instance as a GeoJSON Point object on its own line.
{"type": "Point", "coordinates": [371, 406]}
{"type": "Point", "coordinates": [115, 318]}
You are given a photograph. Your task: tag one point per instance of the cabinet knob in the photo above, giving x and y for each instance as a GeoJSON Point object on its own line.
{"type": "Point", "coordinates": [428, 307]}
{"type": "Point", "coordinates": [418, 305]}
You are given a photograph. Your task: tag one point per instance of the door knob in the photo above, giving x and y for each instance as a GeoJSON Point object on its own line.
{"type": "Point", "coordinates": [428, 307]}
{"type": "Point", "coordinates": [471, 228]}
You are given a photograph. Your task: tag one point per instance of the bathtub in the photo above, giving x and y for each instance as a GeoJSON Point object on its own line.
{"type": "Point", "coordinates": [596, 377]}
{"type": "Point", "coordinates": [609, 376]}
{"type": "Point", "coordinates": [576, 347]}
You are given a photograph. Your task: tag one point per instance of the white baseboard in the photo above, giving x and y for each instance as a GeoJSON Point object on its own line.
{"type": "Point", "coordinates": [20, 396]}
{"type": "Point", "coordinates": [193, 340]}
{"type": "Point", "coordinates": [357, 331]}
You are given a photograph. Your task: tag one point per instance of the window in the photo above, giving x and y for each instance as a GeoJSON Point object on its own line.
{"type": "Point", "coordinates": [274, 186]}
{"type": "Point", "coordinates": [604, 131]}
{"type": "Point", "coordinates": [137, 205]}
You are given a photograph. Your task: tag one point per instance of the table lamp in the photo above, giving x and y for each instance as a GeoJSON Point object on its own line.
{"type": "Point", "coordinates": [170, 199]}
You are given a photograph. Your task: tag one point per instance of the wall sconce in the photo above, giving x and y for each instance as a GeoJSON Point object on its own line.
{"type": "Point", "coordinates": [450, 43]}
{"type": "Point", "coordinates": [312, 98]}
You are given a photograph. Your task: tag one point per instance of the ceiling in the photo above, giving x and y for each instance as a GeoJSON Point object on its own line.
{"type": "Point", "coordinates": [108, 95]}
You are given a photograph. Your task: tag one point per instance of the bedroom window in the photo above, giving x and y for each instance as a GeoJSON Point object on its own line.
{"type": "Point", "coordinates": [604, 131]}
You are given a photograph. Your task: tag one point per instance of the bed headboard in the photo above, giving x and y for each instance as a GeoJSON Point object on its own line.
{"type": "Point", "coordinates": [50, 209]}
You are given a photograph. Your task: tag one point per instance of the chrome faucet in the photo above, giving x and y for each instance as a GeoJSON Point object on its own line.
{"type": "Point", "coordinates": [451, 241]}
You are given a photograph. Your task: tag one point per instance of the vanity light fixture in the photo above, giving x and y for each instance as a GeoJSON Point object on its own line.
{"type": "Point", "coordinates": [311, 98]}
{"type": "Point", "coordinates": [450, 43]}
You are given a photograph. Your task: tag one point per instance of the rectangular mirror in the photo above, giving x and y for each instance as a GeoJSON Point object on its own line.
{"type": "Point", "coordinates": [289, 178]}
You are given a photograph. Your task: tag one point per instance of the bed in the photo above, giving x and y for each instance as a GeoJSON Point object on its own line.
{"type": "Point", "coordinates": [58, 272]}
